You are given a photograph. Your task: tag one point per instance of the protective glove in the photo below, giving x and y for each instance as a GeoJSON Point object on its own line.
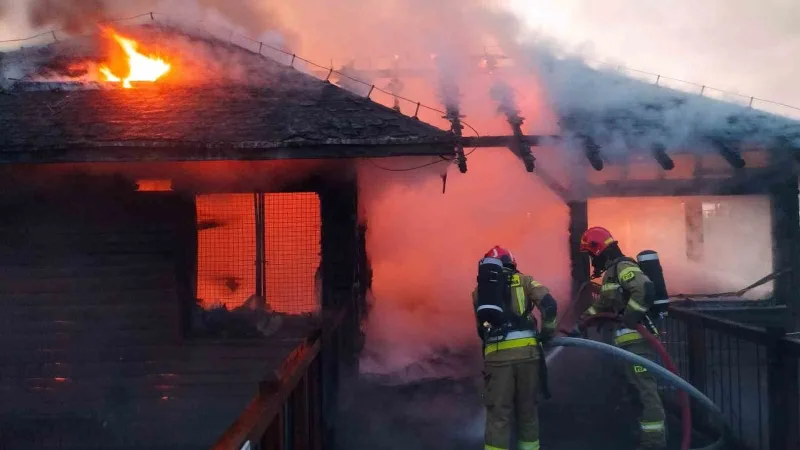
{"type": "Point", "coordinates": [545, 336]}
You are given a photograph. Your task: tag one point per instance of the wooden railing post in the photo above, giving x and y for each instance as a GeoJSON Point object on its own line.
{"type": "Point", "coordinates": [782, 392]}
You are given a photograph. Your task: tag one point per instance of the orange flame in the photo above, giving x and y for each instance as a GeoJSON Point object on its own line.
{"type": "Point", "coordinates": [141, 67]}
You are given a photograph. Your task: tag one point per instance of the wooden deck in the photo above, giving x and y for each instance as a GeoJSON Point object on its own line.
{"type": "Point", "coordinates": [161, 396]}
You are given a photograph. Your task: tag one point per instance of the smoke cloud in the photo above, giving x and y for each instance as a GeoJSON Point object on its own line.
{"type": "Point", "coordinates": [71, 15]}
{"type": "Point", "coordinates": [423, 244]}
{"type": "Point", "coordinates": [424, 248]}
{"type": "Point", "coordinates": [249, 17]}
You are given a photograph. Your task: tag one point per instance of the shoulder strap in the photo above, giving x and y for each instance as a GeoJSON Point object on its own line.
{"type": "Point", "coordinates": [528, 304]}
{"type": "Point", "coordinates": [615, 265]}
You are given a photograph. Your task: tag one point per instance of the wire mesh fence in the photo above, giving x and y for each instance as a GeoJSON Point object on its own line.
{"type": "Point", "coordinates": [226, 249]}
{"type": "Point", "coordinates": [292, 229]}
{"type": "Point", "coordinates": [230, 253]}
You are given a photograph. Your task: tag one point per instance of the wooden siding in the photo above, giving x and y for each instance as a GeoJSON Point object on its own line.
{"type": "Point", "coordinates": [91, 293]}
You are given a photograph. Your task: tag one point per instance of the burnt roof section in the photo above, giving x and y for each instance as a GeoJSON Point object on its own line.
{"type": "Point", "coordinates": [250, 107]}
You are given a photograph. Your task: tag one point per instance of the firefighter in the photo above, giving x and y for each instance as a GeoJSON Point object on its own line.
{"type": "Point", "coordinates": [514, 370]}
{"type": "Point", "coordinates": [628, 292]}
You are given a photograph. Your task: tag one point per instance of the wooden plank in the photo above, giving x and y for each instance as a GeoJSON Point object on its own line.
{"type": "Point", "coordinates": [135, 268]}
{"type": "Point", "coordinates": [167, 151]}
{"type": "Point", "coordinates": [88, 287]}
{"type": "Point", "coordinates": [77, 251]}
{"type": "Point", "coordinates": [46, 308]}
{"type": "Point", "coordinates": [87, 342]}
{"type": "Point", "coordinates": [85, 236]}
{"type": "Point", "coordinates": [116, 326]}
{"type": "Point", "coordinates": [138, 380]}
{"type": "Point", "coordinates": [263, 364]}
{"type": "Point", "coordinates": [95, 260]}
{"type": "Point", "coordinates": [68, 399]}
{"type": "Point", "coordinates": [145, 296]}
{"type": "Point", "coordinates": [142, 351]}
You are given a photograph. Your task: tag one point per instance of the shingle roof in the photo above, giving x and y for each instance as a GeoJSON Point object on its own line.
{"type": "Point", "coordinates": [278, 113]}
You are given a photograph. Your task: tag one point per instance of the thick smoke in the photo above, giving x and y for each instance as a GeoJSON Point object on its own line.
{"type": "Point", "coordinates": [71, 15]}
{"type": "Point", "coordinates": [249, 17]}
{"type": "Point", "coordinates": [685, 39]}
{"type": "Point", "coordinates": [423, 245]}
{"type": "Point", "coordinates": [708, 264]}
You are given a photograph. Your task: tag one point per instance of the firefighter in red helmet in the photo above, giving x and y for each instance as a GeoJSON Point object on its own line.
{"type": "Point", "coordinates": [514, 371]}
{"type": "Point", "coordinates": [627, 291]}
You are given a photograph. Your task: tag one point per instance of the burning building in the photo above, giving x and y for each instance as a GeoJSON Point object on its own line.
{"type": "Point", "coordinates": [153, 212]}
{"type": "Point", "coordinates": [179, 215]}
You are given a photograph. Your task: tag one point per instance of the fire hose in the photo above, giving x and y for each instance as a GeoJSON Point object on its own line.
{"type": "Point", "coordinates": [668, 374]}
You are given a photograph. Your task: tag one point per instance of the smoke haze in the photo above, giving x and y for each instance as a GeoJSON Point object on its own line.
{"type": "Point", "coordinates": [424, 245]}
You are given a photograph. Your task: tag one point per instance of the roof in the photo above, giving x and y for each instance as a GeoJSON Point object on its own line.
{"type": "Point", "coordinates": [247, 107]}
{"type": "Point", "coordinates": [624, 114]}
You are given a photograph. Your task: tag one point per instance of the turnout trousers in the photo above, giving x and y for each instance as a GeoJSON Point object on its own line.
{"type": "Point", "coordinates": [651, 420]}
{"type": "Point", "coordinates": [511, 389]}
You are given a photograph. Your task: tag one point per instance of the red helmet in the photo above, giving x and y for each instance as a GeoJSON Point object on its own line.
{"type": "Point", "coordinates": [595, 240]}
{"type": "Point", "coordinates": [503, 255]}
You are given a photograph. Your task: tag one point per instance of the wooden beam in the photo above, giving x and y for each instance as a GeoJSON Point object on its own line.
{"type": "Point", "coordinates": [502, 141]}
{"type": "Point", "coordinates": [188, 152]}
{"type": "Point", "coordinates": [727, 151]}
{"type": "Point", "coordinates": [661, 156]}
{"type": "Point", "coordinates": [744, 182]}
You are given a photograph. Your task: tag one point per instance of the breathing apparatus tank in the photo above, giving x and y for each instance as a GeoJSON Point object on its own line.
{"type": "Point", "coordinates": [651, 266]}
{"type": "Point", "coordinates": [494, 291]}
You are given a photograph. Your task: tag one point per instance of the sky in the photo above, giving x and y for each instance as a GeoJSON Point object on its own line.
{"type": "Point", "coordinates": [745, 46]}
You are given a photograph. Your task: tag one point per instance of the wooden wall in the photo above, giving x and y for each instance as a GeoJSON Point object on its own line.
{"type": "Point", "coordinates": [91, 277]}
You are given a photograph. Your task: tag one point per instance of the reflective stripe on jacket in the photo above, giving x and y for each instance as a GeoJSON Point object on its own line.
{"type": "Point", "coordinates": [513, 339]}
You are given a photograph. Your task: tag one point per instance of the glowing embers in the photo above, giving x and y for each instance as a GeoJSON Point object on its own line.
{"type": "Point", "coordinates": [140, 67]}
{"type": "Point", "coordinates": [153, 185]}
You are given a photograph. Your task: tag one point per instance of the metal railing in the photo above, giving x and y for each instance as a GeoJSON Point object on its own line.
{"type": "Point", "coordinates": [751, 373]}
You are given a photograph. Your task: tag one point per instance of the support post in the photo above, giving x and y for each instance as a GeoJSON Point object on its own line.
{"type": "Point", "coordinates": [579, 262]}
{"type": "Point", "coordinates": [693, 210]}
{"type": "Point", "coordinates": [258, 199]}
{"type": "Point", "coordinates": [339, 214]}
{"type": "Point", "coordinates": [785, 213]}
